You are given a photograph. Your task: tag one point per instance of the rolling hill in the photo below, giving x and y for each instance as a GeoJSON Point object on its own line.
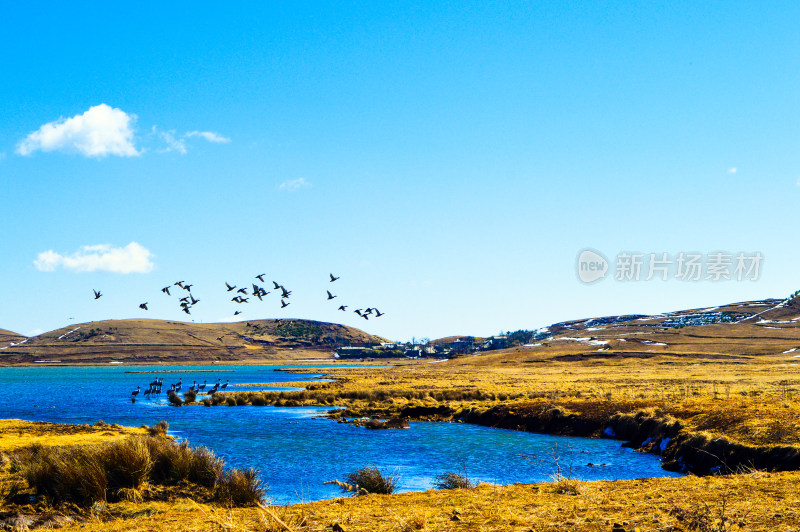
{"type": "Point", "coordinates": [160, 341]}
{"type": "Point", "coordinates": [736, 331]}
{"type": "Point", "coordinates": [8, 337]}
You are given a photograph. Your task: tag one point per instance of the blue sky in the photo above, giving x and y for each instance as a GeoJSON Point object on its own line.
{"type": "Point", "coordinates": [448, 161]}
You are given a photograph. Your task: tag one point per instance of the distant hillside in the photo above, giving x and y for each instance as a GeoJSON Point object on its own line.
{"type": "Point", "coordinates": [8, 337]}
{"type": "Point", "coordinates": [159, 341]}
{"type": "Point", "coordinates": [734, 331]}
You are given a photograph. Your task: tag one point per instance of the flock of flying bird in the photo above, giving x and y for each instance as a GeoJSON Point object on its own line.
{"type": "Point", "coordinates": [188, 301]}
{"type": "Point", "coordinates": [154, 388]}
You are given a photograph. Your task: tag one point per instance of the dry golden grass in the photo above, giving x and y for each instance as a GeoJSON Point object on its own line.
{"type": "Point", "coordinates": [756, 502]}
{"type": "Point", "coordinates": [15, 434]}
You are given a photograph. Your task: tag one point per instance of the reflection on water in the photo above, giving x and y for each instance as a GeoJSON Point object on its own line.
{"type": "Point", "coordinates": [294, 448]}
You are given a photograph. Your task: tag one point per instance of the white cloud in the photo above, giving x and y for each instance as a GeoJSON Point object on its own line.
{"type": "Point", "coordinates": [294, 184]}
{"type": "Point", "coordinates": [100, 131]}
{"type": "Point", "coordinates": [172, 142]}
{"type": "Point", "coordinates": [210, 136]}
{"type": "Point", "coordinates": [732, 170]}
{"type": "Point", "coordinates": [132, 258]}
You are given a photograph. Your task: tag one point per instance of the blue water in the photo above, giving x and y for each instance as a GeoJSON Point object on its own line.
{"type": "Point", "coordinates": [295, 449]}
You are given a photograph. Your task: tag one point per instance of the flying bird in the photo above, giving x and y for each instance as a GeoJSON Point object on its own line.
{"type": "Point", "coordinates": [285, 292]}
{"type": "Point", "coordinates": [186, 309]}
{"type": "Point", "coordinates": [237, 312]}
{"type": "Point", "coordinates": [330, 296]}
{"type": "Point", "coordinates": [260, 277]}
{"type": "Point", "coordinates": [343, 307]}
{"type": "Point", "coordinates": [284, 304]}
{"type": "Point", "coordinates": [229, 286]}
{"type": "Point", "coordinates": [365, 316]}
{"type": "Point", "coordinates": [179, 283]}
{"type": "Point", "coordinates": [166, 290]}
{"type": "Point", "coordinates": [368, 311]}
{"type": "Point", "coordinates": [188, 287]}
{"type": "Point", "coordinates": [143, 306]}
{"type": "Point", "coordinates": [97, 293]}
{"type": "Point", "coordinates": [276, 285]}
{"type": "Point", "coordinates": [358, 311]}
{"type": "Point", "coordinates": [242, 291]}
{"type": "Point", "coordinates": [378, 313]}
{"type": "Point", "coordinates": [332, 277]}
{"type": "Point", "coordinates": [193, 300]}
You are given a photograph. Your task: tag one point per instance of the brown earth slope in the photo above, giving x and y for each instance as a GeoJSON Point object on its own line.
{"type": "Point", "coordinates": [154, 341]}
{"type": "Point", "coordinates": [8, 337]}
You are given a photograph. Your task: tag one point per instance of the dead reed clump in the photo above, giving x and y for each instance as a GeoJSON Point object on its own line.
{"type": "Point", "coordinates": [373, 480]}
{"type": "Point", "coordinates": [565, 485]}
{"type": "Point", "coordinates": [159, 429]}
{"type": "Point", "coordinates": [452, 480]}
{"type": "Point", "coordinates": [127, 463]}
{"type": "Point", "coordinates": [238, 487]}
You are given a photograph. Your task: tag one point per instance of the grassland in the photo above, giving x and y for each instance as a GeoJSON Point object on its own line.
{"type": "Point", "coordinates": [145, 341]}
{"type": "Point", "coordinates": [719, 399]}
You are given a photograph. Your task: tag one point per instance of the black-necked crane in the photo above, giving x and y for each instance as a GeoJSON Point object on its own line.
{"type": "Point", "coordinates": [332, 277]}
{"type": "Point", "coordinates": [330, 296]}
{"type": "Point", "coordinates": [378, 313]}
{"type": "Point", "coordinates": [229, 286]}
{"type": "Point", "coordinates": [284, 304]}
{"type": "Point", "coordinates": [135, 392]}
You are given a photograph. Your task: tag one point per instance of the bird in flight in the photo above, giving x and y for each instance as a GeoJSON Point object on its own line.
{"type": "Point", "coordinates": [179, 283]}
{"type": "Point", "coordinates": [378, 313]}
{"type": "Point", "coordinates": [330, 296]}
{"type": "Point", "coordinates": [276, 285]}
{"type": "Point", "coordinates": [186, 309]}
{"type": "Point", "coordinates": [237, 312]}
{"type": "Point", "coordinates": [365, 316]}
{"type": "Point", "coordinates": [332, 277]}
{"type": "Point", "coordinates": [285, 292]}
{"type": "Point", "coordinates": [343, 307]}
{"type": "Point", "coordinates": [193, 300]}
{"type": "Point", "coordinates": [188, 287]}
{"type": "Point", "coordinates": [358, 311]}
{"type": "Point", "coordinates": [242, 291]}
{"type": "Point", "coordinates": [97, 293]}
{"type": "Point", "coordinates": [284, 304]}
{"type": "Point", "coordinates": [229, 286]}
{"type": "Point", "coordinates": [143, 306]}
{"type": "Point", "coordinates": [368, 311]}
{"type": "Point", "coordinates": [166, 290]}
{"type": "Point", "coordinates": [260, 277]}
